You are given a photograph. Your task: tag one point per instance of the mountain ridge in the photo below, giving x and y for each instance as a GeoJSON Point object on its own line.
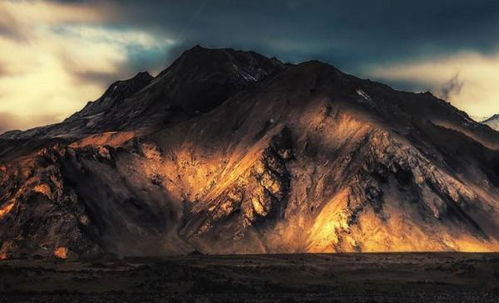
{"type": "Point", "coordinates": [232, 152]}
{"type": "Point", "coordinates": [239, 69]}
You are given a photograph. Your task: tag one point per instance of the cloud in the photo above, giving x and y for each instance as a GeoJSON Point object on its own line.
{"type": "Point", "coordinates": [9, 27]}
{"type": "Point", "coordinates": [105, 54]}
{"type": "Point", "coordinates": [9, 121]}
{"type": "Point", "coordinates": [3, 71]}
{"type": "Point", "coordinates": [346, 33]}
{"type": "Point", "coordinates": [65, 57]}
{"type": "Point", "coordinates": [451, 88]}
{"type": "Point", "coordinates": [17, 18]}
{"type": "Point", "coordinates": [473, 79]}
{"type": "Point", "coordinates": [94, 77]}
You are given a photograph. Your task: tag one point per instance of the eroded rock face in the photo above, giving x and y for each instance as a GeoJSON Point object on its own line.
{"type": "Point", "coordinates": [255, 200]}
{"type": "Point", "coordinates": [40, 209]}
{"type": "Point", "coordinates": [277, 158]}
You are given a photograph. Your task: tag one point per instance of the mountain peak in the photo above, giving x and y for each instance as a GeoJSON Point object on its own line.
{"type": "Point", "coordinates": [208, 76]}
{"type": "Point", "coordinates": [142, 75]}
{"type": "Point", "coordinates": [199, 57]}
{"type": "Point", "coordinates": [198, 47]}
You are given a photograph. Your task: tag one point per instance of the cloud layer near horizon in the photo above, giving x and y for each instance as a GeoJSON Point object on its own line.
{"type": "Point", "coordinates": [470, 80]}
{"type": "Point", "coordinates": [57, 55]}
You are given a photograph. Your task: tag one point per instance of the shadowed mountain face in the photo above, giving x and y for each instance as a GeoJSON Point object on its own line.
{"type": "Point", "coordinates": [231, 152]}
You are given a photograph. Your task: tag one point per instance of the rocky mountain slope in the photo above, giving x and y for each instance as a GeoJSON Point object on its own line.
{"type": "Point", "coordinates": [493, 122]}
{"type": "Point", "coordinates": [231, 152]}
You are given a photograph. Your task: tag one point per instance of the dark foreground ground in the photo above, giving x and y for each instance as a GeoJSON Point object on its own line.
{"type": "Point", "coordinates": [419, 277]}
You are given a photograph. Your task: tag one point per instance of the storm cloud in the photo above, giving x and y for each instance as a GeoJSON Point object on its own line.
{"type": "Point", "coordinates": [348, 34]}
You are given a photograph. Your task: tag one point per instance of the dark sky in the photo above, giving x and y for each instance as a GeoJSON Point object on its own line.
{"type": "Point", "coordinates": [448, 47]}
{"type": "Point", "coordinates": [349, 34]}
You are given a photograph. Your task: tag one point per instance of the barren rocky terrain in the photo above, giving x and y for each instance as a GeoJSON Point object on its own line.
{"type": "Point", "coordinates": [230, 152]}
{"type": "Point", "coordinates": [415, 277]}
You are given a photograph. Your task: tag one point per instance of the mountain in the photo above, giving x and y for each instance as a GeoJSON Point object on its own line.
{"type": "Point", "coordinates": [231, 152]}
{"type": "Point", "coordinates": [493, 122]}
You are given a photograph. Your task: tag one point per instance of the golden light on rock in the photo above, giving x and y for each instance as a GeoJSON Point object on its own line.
{"type": "Point", "coordinates": [4, 210]}
{"type": "Point", "coordinates": [43, 189]}
{"type": "Point", "coordinates": [61, 252]}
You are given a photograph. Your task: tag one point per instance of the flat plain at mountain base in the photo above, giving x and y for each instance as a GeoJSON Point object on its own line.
{"type": "Point", "coordinates": [393, 277]}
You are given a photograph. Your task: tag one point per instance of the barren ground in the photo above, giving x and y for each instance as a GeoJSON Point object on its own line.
{"type": "Point", "coordinates": [411, 277]}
